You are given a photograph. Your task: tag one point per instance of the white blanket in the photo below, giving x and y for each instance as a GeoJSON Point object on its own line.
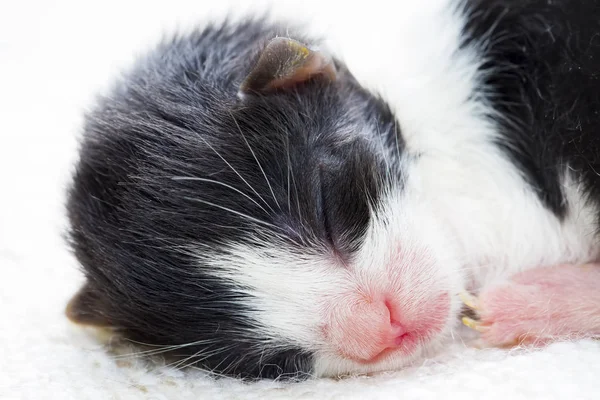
{"type": "Point", "coordinates": [53, 57]}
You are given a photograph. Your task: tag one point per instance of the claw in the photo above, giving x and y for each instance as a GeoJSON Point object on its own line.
{"type": "Point", "coordinates": [469, 300]}
{"type": "Point", "coordinates": [476, 325]}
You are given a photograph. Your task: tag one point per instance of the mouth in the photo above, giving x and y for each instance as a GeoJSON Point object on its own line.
{"type": "Point", "coordinates": [405, 346]}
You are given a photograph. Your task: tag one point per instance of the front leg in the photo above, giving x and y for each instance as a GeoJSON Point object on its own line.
{"type": "Point", "coordinates": [539, 306]}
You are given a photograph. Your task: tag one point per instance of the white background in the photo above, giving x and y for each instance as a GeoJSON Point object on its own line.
{"type": "Point", "coordinates": [54, 57]}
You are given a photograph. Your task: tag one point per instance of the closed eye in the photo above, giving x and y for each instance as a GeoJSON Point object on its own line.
{"type": "Point", "coordinates": [330, 238]}
{"type": "Point", "coordinates": [322, 207]}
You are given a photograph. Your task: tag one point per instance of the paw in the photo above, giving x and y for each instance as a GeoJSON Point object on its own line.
{"type": "Point", "coordinates": [539, 306]}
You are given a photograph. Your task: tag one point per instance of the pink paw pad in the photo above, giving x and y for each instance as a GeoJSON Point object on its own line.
{"type": "Point", "coordinates": [539, 306]}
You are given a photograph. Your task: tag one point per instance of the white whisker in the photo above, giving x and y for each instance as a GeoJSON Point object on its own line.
{"type": "Point", "coordinates": [182, 178]}
{"type": "Point", "coordinates": [384, 152]}
{"type": "Point", "coordinates": [287, 150]}
{"type": "Point", "coordinates": [159, 350]}
{"type": "Point", "coordinates": [256, 159]}
{"type": "Point", "coordinates": [241, 214]}
{"type": "Point", "coordinates": [396, 137]}
{"type": "Point", "coordinates": [236, 172]}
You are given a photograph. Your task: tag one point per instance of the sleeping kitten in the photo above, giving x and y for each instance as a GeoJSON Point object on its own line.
{"type": "Point", "coordinates": [240, 196]}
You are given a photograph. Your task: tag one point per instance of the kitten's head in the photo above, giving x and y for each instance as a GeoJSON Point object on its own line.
{"type": "Point", "coordinates": [267, 228]}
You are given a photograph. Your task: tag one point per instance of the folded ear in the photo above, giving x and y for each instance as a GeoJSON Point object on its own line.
{"type": "Point", "coordinates": [285, 63]}
{"type": "Point", "coordinates": [87, 307]}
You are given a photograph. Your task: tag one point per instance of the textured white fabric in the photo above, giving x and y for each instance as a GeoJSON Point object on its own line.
{"type": "Point", "coordinates": [53, 57]}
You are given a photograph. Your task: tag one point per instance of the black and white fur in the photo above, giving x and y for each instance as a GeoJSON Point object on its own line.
{"type": "Point", "coordinates": [233, 225]}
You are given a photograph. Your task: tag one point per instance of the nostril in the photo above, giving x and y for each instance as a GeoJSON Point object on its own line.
{"type": "Point", "coordinates": [400, 339]}
{"type": "Point", "coordinates": [397, 331]}
{"type": "Point", "coordinates": [397, 334]}
{"type": "Point", "coordinates": [388, 305]}
{"type": "Point", "coordinates": [393, 312]}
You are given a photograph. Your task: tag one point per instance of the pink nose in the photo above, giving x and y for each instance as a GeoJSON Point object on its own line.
{"type": "Point", "coordinates": [369, 330]}
{"type": "Point", "coordinates": [368, 327]}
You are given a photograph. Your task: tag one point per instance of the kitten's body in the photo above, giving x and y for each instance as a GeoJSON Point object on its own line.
{"type": "Point", "coordinates": [307, 230]}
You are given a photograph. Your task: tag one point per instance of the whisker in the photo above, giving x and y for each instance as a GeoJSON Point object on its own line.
{"type": "Point", "coordinates": [212, 371]}
{"type": "Point", "coordinates": [209, 372]}
{"type": "Point", "coordinates": [384, 151]}
{"type": "Point", "coordinates": [396, 137]}
{"type": "Point", "coordinates": [203, 356]}
{"type": "Point", "coordinates": [297, 200]}
{"type": "Point", "coordinates": [152, 352]}
{"type": "Point", "coordinates": [236, 172]}
{"type": "Point", "coordinates": [184, 178]}
{"type": "Point", "coordinates": [175, 364]}
{"type": "Point", "coordinates": [290, 174]}
{"type": "Point", "coordinates": [241, 214]}
{"type": "Point", "coordinates": [287, 148]}
{"type": "Point", "coordinates": [256, 159]}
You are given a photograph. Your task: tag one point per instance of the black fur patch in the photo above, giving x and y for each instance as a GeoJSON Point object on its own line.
{"type": "Point", "coordinates": [542, 74]}
{"type": "Point", "coordinates": [173, 161]}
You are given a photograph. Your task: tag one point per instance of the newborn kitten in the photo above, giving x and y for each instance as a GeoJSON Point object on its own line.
{"type": "Point", "coordinates": [241, 197]}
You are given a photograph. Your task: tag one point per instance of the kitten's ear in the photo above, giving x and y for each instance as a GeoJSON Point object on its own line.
{"type": "Point", "coordinates": [285, 63]}
{"type": "Point", "coordinates": [87, 307]}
